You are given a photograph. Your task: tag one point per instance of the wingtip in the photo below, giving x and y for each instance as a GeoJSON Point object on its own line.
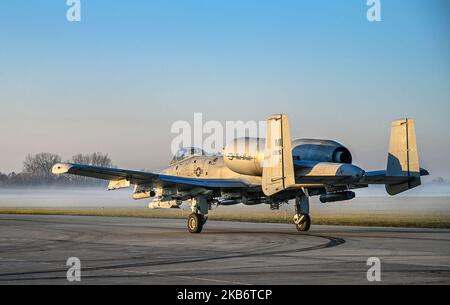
{"type": "Point", "coordinates": [61, 168]}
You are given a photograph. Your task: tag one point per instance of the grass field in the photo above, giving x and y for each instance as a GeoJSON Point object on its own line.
{"type": "Point", "coordinates": [351, 219]}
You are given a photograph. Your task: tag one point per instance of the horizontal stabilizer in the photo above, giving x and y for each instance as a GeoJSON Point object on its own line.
{"type": "Point", "coordinates": [379, 177]}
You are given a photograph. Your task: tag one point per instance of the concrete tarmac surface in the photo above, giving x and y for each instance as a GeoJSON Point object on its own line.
{"type": "Point", "coordinates": [34, 250]}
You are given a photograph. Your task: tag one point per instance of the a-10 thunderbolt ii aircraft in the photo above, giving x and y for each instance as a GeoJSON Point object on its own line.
{"type": "Point", "coordinates": [265, 171]}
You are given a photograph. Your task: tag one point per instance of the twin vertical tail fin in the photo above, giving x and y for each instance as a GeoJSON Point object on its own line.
{"type": "Point", "coordinates": [278, 167]}
{"type": "Point", "coordinates": [403, 158]}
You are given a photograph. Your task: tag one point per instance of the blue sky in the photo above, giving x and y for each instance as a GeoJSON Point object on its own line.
{"type": "Point", "coordinates": [117, 80]}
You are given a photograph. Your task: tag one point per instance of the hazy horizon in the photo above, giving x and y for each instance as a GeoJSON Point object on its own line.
{"type": "Point", "coordinates": [116, 81]}
{"type": "Point", "coordinates": [373, 201]}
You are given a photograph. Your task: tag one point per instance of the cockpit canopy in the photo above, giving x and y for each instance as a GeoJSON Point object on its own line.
{"type": "Point", "coordinates": [186, 152]}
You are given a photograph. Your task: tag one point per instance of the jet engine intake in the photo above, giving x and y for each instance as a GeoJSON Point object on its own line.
{"type": "Point", "coordinates": [320, 150]}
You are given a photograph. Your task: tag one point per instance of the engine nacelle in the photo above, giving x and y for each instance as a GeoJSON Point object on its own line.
{"type": "Point", "coordinates": [245, 156]}
{"type": "Point", "coordinates": [320, 150]}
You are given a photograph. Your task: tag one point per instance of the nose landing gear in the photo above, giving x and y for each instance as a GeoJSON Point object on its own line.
{"type": "Point", "coordinates": [199, 215]}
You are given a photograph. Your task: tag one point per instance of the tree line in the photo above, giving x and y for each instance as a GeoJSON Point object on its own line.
{"type": "Point", "coordinates": [37, 170]}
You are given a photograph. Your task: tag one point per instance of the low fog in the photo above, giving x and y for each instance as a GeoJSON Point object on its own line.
{"type": "Point", "coordinates": [429, 198]}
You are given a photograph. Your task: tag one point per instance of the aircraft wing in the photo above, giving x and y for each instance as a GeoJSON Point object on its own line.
{"type": "Point", "coordinates": [105, 173]}
{"type": "Point", "coordinates": [141, 177]}
{"type": "Point", "coordinates": [208, 183]}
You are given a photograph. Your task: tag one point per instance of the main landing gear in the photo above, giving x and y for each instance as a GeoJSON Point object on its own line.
{"type": "Point", "coordinates": [200, 208]}
{"type": "Point", "coordinates": [196, 222]}
{"type": "Point", "coordinates": [302, 220]}
{"type": "Point", "coordinates": [199, 215]}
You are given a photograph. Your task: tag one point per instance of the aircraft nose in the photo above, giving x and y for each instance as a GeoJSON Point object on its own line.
{"type": "Point", "coordinates": [350, 170]}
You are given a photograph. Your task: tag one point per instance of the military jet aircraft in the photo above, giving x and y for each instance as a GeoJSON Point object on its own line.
{"type": "Point", "coordinates": [265, 171]}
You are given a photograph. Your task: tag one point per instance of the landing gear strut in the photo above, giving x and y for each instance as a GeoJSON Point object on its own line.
{"type": "Point", "coordinates": [199, 215]}
{"type": "Point", "coordinates": [302, 220]}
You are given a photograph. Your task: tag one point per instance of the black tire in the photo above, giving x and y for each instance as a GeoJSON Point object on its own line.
{"type": "Point", "coordinates": [204, 219]}
{"type": "Point", "coordinates": [305, 224]}
{"type": "Point", "coordinates": [195, 223]}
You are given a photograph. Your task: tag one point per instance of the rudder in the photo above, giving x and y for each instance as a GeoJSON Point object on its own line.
{"type": "Point", "coordinates": [403, 158]}
{"type": "Point", "coordinates": [278, 167]}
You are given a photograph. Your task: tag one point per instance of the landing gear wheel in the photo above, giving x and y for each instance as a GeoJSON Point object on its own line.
{"type": "Point", "coordinates": [195, 223]}
{"type": "Point", "coordinates": [304, 224]}
{"type": "Point", "coordinates": [204, 218]}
